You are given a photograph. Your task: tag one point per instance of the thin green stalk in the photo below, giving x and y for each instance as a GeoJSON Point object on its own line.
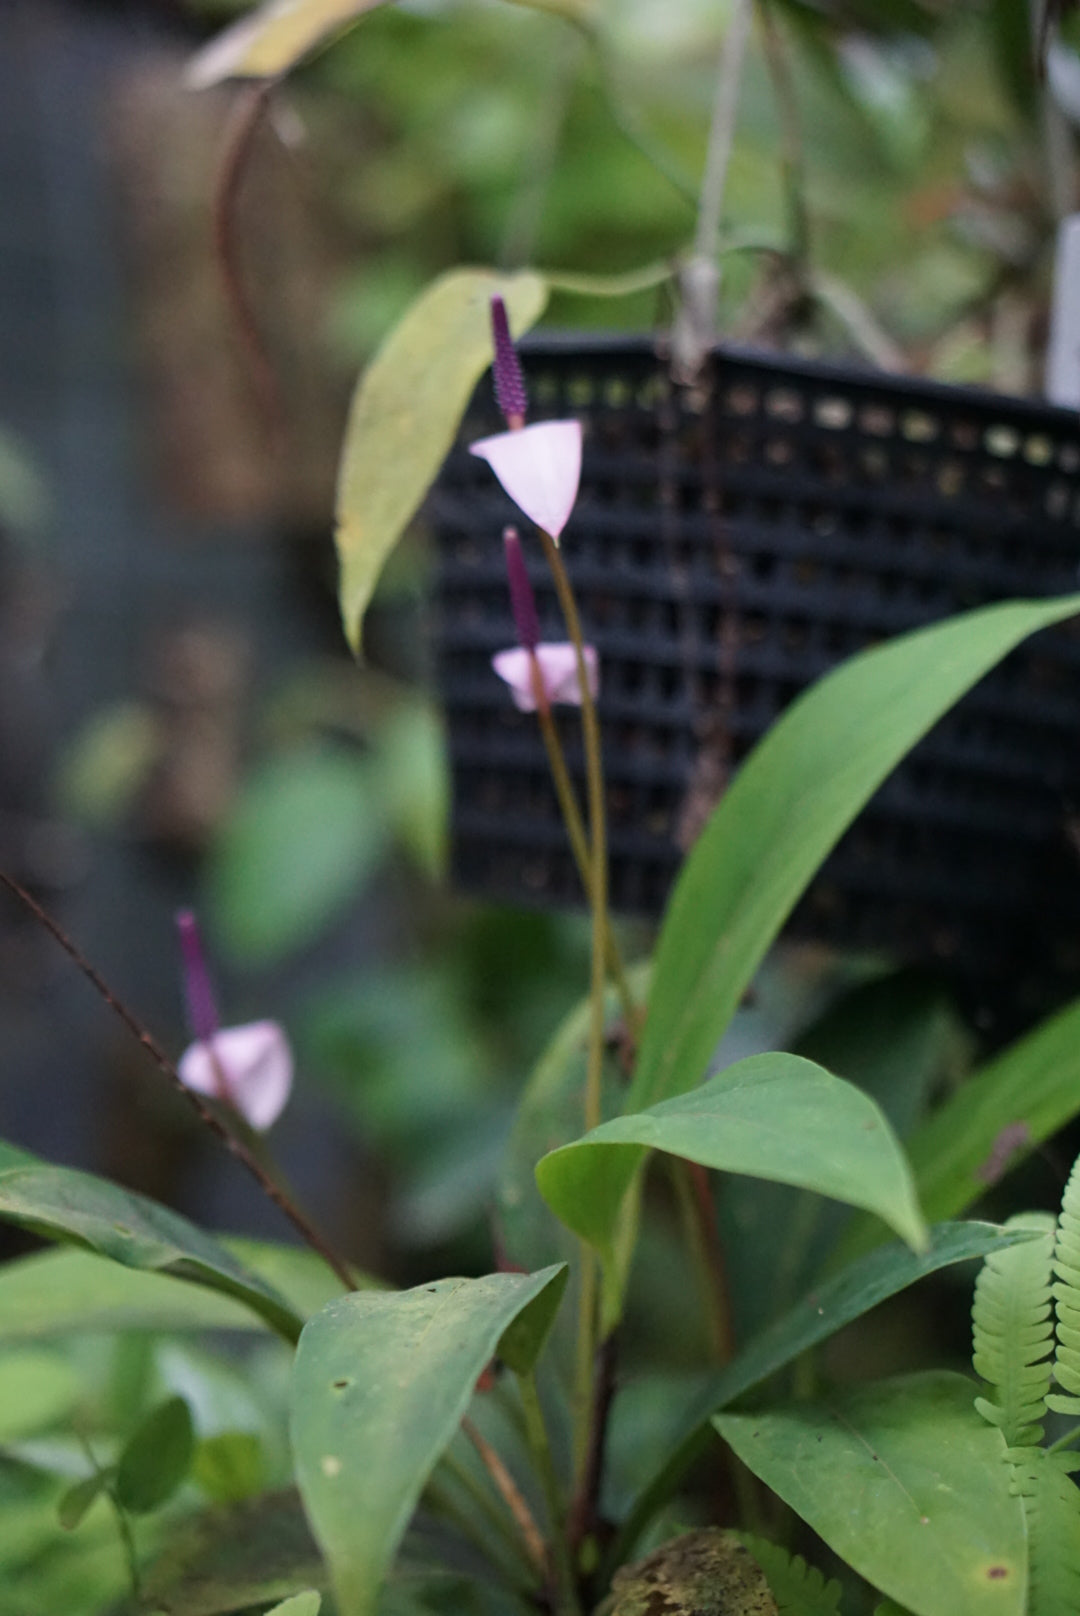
{"type": "Point", "coordinates": [792, 156]}
{"type": "Point", "coordinates": [575, 830]}
{"type": "Point", "coordinates": [587, 1320]}
{"type": "Point", "coordinates": [567, 1603]}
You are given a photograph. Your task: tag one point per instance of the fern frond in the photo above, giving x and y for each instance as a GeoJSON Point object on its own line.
{"type": "Point", "coordinates": [1052, 1510]}
{"type": "Point", "coordinates": [1014, 1333]}
{"type": "Point", "coordinates": [799, 1589]}
{"type": "Point", "coordinates": [1067, 1298]}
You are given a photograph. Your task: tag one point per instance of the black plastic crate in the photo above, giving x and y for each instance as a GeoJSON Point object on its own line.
{"type": "Point", "coordinates": [725, 554]}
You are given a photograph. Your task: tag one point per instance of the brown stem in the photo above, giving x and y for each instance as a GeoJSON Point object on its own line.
{"type": "Point", "coordinates": [206, 1116]}
{"type": "Point", "coordinates": [705, 1212]}
{"type": "Point", "coordinates": [583, 1518]}
{"type": "Point", "coordinates": [248, 111]}
{"type": "Point", "coordinates": [510, 1493]}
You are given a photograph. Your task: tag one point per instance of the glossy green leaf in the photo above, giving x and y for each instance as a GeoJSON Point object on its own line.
{"type": "Point", "coordinates": [58, 1292]}
{"type": "Point", "coordinates": [272, 39]}
{"type": "Point", "coordinates": [905, 1482]}
{"type": "Point", "coordinates": [405, 414]}
{"type": "Point", "coordinates": [37, 1389]}
{"type": "Point", "coordinates": [773, 1116]}
{"type": "Point", "coordinates": [65, 1205]}
{"type": "Point", "coordinates": [380, 1385]}
{"type": "Point", "coordinates": [156, 1458]}
{"type": "Point", "coordinates": [789, 804]}
{"type": "Point", "coordinates": [308, 828]}
{"type": "Point", "coordinates": [830, 1306]}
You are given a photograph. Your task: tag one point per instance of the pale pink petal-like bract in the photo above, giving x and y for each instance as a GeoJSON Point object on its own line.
{"type": "Point", "coordinates": [257, 1066]}
{"type": "Point", "coordinates": [558, 670]}
{"type": "Point", "coordinates": [540, 468]}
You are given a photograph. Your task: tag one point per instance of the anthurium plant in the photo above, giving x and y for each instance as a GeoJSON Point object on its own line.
{"type": "Point", "coordinates": [462, 1445]}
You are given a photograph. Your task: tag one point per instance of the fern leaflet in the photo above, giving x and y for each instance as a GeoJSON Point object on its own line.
{"type": "Point", "coordinates": [1052, 1509]}
{"type": "Point", "coordinates": [1014, 1334]}
{"type": "Point", "coordinates": [1067, 1298]}
{"type": "Point", "coordinates": [799, 1589]}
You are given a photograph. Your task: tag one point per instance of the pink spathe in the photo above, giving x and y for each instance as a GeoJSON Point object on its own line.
{"type": "Point", "coordinates": [540, 468]}
{"type": "Point", "coordinates": [256, 1065]}
{"type": "Point", "coordinates": [558, 670]}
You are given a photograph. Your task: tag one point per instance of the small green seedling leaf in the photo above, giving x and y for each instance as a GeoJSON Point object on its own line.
{"type": "Point", "coordinates": [75, 1504]}
{"type": "Point", "coordinates": [380, 1385]}
{"type": "Point", "coordinates": [903, 1481]}
{"type": "Point", "coordinates": [272, 39]}
{"type": "Point", "coordinates": [229, 1467]}
{"type": "Point", "coordinates": [156, 1457]}
{"type": "Point", "coordinates": [405, 414]}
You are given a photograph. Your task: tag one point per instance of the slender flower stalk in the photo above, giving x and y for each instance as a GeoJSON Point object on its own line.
{"type": "Point", "coordinates": [566, 1595]}
{"type": "Point", "coordinates": [540, 468]}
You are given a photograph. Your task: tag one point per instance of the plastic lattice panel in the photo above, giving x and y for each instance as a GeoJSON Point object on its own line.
{"type": "Point", "coordinates": [724, 557]}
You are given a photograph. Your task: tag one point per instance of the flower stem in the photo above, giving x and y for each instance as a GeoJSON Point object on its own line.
{"type": "Point", "coordinates": [575, 830]}
{"type": "Point", "coordinates": [209, 1118]}
{"type": "Point", "coordinates": [584, 1390]}
{"type": "Point", "coordinates": [509, 1492]}
{"type": "Point", "coordinates": [566, 1601]}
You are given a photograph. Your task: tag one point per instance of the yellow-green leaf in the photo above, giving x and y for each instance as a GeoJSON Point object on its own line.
{"type": "Point", "coordinates": [271, 40]}
{"type": "Point", "coordinates": [405, 413]}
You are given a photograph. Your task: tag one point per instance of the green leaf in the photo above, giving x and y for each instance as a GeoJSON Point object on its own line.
{"type": "Point", "coordinates": [233, 1558]}
{"type": "Point", "coordinates": [1067, 1298]}
{"type": "Point", "coordinates": [308, 1603]}
{"type": "Point", "coordinates": [405, 414]}
{"type": "Point", "coordinates": [1014, 1333]}
{"type": "Point", "coordinates": [156, 1458]}
{"type": "Point", "coordinates": [37, 1389]}
{"type": "Point", "coordinates": [1051, 1502]}
{"type": "Point", "coordinates": [229, 1467]}
{"type": "Point", "coordinates": [790, 803]}
{"type": "Point", "coordinates": [62, 1204]}
{"type": "Point", "coordinates": [772, 1116]}
{"type": "Point", "coordinates": [272, 39]}
{"type": "Point", "coordinates": [906, 1484]}
{"type": "Point", "coordinates": [75, 1504]}
{"type": "Point", "coordinates": [830, 1306]}
{"type": "Point", "coordinates": [380, 1385]}
{"type": "Point", "coordinates": [307, 829]}
{"type": "Point", "coordinates": [799, 1589]}
{"type": "Point", "coordinates": [58, 1292]}
{"type": "Point", "coordinates": [1035, 1082]}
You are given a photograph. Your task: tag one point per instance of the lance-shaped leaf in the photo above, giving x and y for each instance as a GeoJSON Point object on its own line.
{"type": "Point", "coordinates": [995, 1119]}
{"type": "Point", "coordinates": [773, 1116]}
{"type": "Point", "coordinates": [65, 1205]}
{"type": "Point", "coordinates": [827, 1308]}
{"type": "Point", "coordinates": [272, 39]}
{"type": "Point", "coordinates": [405, 414]}
{"type": "Point", "coordinates": [906, 1483]}
{"type": "Point", "coordinates": [69, 1291]}
{"type": "Point", "coordinates": [380, 1384]}
{"type": "Point", "coordinates": [789, 805]}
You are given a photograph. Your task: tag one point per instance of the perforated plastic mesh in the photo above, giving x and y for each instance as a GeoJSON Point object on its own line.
{"type": "Point", "coordinates": [726, 557]}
